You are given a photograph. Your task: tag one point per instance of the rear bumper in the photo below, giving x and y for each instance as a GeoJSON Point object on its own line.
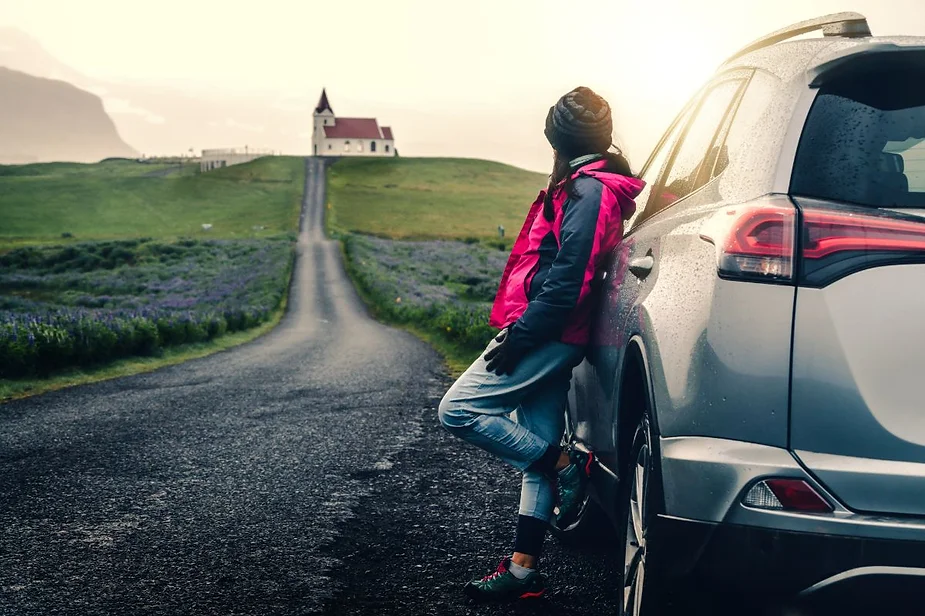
{"type": "Point", "coordinates": [757, 561]}
{"type": "Point", "coordinates": [705, 479]}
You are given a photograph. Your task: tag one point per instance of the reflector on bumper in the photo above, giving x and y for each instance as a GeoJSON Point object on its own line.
{"type": "Point", "coordinates": [760, 496]}
{"type": "Point", "coordinates": [786, 495]}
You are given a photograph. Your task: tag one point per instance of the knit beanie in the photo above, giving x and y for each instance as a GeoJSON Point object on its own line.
{"type": "Point", "coordinates": [580, 123]}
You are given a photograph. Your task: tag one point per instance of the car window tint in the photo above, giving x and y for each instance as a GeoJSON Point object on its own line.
{"type": "Point", "coordinates": [751, 108]}
{"type": "Point", "coordinates": [912, 152]}
{"type": "Point", "coordinates": [683, 176]}
{"type": "Point", "coordinates": [862, 142]}
{"type": "Point", "coordinates": [654, 169]}
{"type": "Point", "coordinates": [715, 158]}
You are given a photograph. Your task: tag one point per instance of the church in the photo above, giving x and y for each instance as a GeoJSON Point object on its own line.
{"type": "Point", "coordinates": [333, 136]}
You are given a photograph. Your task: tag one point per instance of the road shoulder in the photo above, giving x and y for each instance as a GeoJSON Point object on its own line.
{"type": "Point", "coordinates": [444, 513]}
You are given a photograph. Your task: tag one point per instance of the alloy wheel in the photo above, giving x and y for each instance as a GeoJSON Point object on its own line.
{"type": "Point", "coordinates": [635, 562]}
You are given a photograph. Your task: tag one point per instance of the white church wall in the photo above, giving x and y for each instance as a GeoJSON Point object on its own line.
{"type": "Point", "coordinates": [384, 147]}
{"type": "Point", "coordinates": [356, 147]}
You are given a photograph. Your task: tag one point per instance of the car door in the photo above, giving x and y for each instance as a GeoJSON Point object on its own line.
{"type": "Point", "coordinates": [678, 168]}
{"type": "Point", "coordinates": [593, 380]}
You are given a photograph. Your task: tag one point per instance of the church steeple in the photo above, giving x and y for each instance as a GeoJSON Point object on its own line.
{"type": "Point", "coordinates": [323, 104]}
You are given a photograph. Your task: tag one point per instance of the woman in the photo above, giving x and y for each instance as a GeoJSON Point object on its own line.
{"type": "Point", "coordinates": [543, 308]}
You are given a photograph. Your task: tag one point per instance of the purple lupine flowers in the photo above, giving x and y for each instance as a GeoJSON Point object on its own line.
{"type": "Point", "coordinates": [443, 285]}
{"type": "Point", "coordinates": [89, 303]}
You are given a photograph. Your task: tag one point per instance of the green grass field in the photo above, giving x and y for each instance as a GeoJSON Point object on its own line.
{"type": "Point", "coordinates": [429, 198]}
{"type": "Point", "coordinates": [119, 199]}
{"type": "Point", "coordinates": [125, 199]}
{"type": "Point", "coordinates": [84, 205]}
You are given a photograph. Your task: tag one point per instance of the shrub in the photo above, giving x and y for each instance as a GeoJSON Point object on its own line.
{"type": "Point", "coordinates": [118, 299]}
{"type": "Point", "coordinates": [445, 287]}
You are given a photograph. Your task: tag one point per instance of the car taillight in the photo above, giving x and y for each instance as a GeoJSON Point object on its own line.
{"type": "Point", "coordinates": [827, 232]}
{"type": "Point", "coordinates": [757, 241]}
{"type": "Point", "coordinates": [786, 495]}
{"type": "Point", "coordinates": [840, 240]}
{"type": "Point", "coordinates": [754, 241]}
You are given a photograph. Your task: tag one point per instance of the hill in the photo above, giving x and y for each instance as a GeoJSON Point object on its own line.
{"type": "Point", "coordinates": [429, 198]}
{"type": "Point", "coordinates": [20, 52]}
{"type": "Point", "coordinates": [48, 120]}
{"type": "Point", "coordinates": [126, 199]}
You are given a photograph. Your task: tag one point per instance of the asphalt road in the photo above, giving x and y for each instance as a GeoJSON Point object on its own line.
{"type": "Point", "coordinates": [216, 486]}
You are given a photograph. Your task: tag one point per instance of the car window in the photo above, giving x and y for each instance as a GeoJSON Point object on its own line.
{"type": "Point", "coordinates": [683, 175]}
{"type": "Point", "coordinates": [862, 142]}
{"type": "Point", "coordinates": [654, 167]}
{"type": "Point", "coordinates": [739, 133]}
{"type": "Point", "coordinates": [912, 152]}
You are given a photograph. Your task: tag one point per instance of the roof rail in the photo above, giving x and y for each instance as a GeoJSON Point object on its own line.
{"type": "Point", "coordinates": [852, 25]}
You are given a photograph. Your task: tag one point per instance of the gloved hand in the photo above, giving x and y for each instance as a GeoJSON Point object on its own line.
{"type": "Point", "coordinates": [503, 358]}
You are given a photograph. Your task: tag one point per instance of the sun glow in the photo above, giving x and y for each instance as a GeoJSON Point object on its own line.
{"type": "Point", "coordinates": [456, 80]}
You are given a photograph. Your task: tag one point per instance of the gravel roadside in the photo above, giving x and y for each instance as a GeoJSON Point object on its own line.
{"type": "Point", "coordinates": [441, 515]}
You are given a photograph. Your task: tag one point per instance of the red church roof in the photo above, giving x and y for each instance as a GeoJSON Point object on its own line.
{"type": "Point", "coordinates": [387, 132]}
{"type": "Point", "coordinates": [353, 128]}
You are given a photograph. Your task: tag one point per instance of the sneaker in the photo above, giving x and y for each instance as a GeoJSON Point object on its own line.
{"type": "Point", "coordinates": [503, 586]}
{"type": "Point", "coordinates": [572, 487]}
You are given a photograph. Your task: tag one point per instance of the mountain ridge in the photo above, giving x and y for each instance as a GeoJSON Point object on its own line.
{"type": "Point", "coordinates": [47, 120]}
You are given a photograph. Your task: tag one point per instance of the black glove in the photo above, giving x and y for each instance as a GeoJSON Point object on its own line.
{"type": "Point", "coordinates": [503, 358]}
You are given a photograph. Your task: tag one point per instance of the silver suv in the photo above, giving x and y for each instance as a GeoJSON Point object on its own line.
{"type": "Point", "coordinates": [751, 391]}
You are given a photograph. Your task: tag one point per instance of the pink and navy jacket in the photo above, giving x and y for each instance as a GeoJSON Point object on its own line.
{"type": "Point", "coordinates": [545, 290]}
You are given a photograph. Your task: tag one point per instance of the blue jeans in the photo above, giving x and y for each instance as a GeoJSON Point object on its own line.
{"type": "Point", "coordinates": [516, 416]}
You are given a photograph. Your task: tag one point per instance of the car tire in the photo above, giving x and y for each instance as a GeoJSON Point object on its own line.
{"type": "Point", "coordinates": [639, 497]}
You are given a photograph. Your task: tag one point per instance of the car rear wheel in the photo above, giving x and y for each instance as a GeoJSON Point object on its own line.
{"type": "Point", "coordinates": [637, 505]}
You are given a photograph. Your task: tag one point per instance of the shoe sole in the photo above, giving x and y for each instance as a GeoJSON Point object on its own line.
{"type": "Point", "coordinates": [481, 600]}
{"type": "Point", "coordinates": [533, 595]}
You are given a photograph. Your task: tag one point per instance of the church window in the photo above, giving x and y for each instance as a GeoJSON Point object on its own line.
{"type": "Point", "coordinates": [387, 147]}
{"type": "Point", "coordinates": [330, 147]}
{"type": "Point", "coordinates": [346, 146]}
{"type": "Point", "coordinates": [372, 146]}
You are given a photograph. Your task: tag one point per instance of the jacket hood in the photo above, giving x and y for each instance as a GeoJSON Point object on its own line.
{"type": "Point", "coordinates": [621, 185]}
{"type": "Point", "coordinates": [624, 188]}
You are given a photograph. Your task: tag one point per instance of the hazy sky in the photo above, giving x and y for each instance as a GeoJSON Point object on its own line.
{"type": "Point", "coordinates": [513, 57]}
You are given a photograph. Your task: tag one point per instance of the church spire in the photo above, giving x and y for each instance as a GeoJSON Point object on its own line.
{"type": "Point", "coordinates": [323, 104]}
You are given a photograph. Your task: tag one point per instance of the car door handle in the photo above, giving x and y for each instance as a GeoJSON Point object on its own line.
{"type": "Point", "coordinates": [642, 266]}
